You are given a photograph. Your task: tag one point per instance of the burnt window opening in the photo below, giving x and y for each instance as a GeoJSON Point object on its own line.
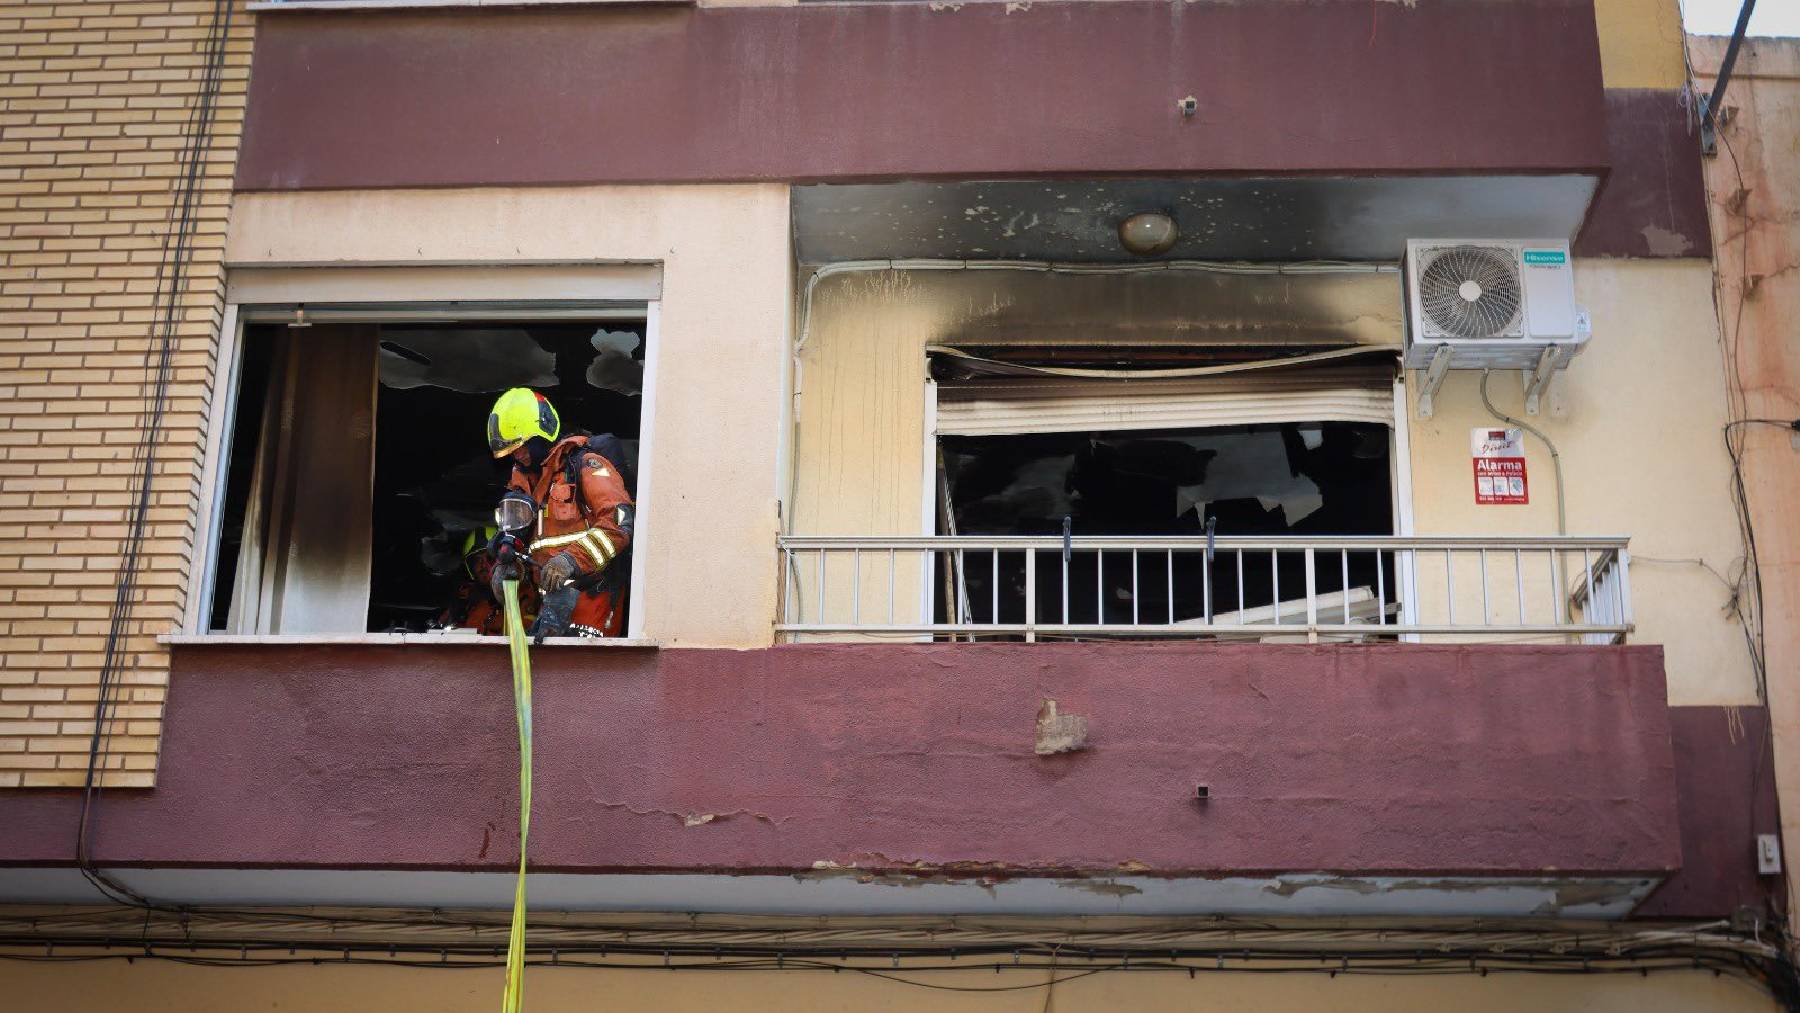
{"type": "Point", "coordinates": [358, 466]}
{"type": "Point", "coordinates": [1308, 478]}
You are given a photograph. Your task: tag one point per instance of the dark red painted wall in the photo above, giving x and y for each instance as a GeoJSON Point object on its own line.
{"type": "Point", "coordinates": [876, 91]}
{"type": "Point", "coordinates": [1654, 202]}
{"type": "Point", "coordinates": [1402, 759]}
{"type": "Point", "coordinates": [1725, 786]}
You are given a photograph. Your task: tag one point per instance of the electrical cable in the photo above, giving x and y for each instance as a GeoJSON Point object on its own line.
{"type": "Point", "coordinates": [1737, 420]}
{"type": "Point", "coordinates": [171, 277]}
{"type": "Point", "coordinates": [1772, 977]}
{"type": "Point", "coordinates": [1224, 943]}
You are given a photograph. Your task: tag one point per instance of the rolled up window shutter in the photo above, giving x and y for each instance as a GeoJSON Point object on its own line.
{"type": "Point", "coordinates": [1014, 405]}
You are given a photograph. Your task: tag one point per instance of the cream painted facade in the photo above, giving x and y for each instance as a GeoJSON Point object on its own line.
{"type": "Point", "coordinates": [714, 415]}
{"type": "Point", "coordinates": [1635, 418]}
{"type": "Point", "coordinates": [155, 987]}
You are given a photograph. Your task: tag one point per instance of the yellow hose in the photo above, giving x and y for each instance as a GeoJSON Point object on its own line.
{"type": "Point", "coordinates": [514, 999]}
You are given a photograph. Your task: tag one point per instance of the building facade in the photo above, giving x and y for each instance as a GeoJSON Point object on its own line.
{"type": "Point", "coordinates": [1066, 571]}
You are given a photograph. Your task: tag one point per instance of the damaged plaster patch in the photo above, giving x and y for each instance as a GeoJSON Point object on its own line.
{"type": "Point", "coordinates": [692, 819]}
{"type": "Point", "coordinates": [1663, 243]}
{"type": "Point", "coordinates": [1290, 887]}
{"type": "Point", "coordinates": [1100, 887]}
{"type": "Point", "coordinates": [1560, 897]}
{"type": "Point", "coordinates": [1569, 895]}
{"type": "Point", "coordinates": [1059, 733]}
{"type": "Point", "coordinates": [911, 877]}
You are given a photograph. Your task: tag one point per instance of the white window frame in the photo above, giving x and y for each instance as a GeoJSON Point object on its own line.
{"type": "Point", "coordinates": [376, 294]}
{"type": "Point", "coordinates": [1400, 491]}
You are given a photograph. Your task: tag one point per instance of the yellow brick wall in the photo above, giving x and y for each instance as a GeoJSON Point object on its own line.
{"type": "Point", "coordinates": [94, 99]}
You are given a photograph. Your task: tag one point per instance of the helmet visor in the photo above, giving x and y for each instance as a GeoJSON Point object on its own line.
{"type": "Point", "coordinates": [515, 513]}
{"type": "Point", "coordinates": [498, 445]}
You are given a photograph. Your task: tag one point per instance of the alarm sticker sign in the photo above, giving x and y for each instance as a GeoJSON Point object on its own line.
{"type": "Point", "coordinates": [1499, 465]}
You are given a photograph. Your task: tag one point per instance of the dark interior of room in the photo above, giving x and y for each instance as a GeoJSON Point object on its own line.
{"type": "Point", "coordinates": [1326, 478]}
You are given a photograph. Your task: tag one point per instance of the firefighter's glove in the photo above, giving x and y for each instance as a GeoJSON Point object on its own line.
{"type": "Point", "coordinates": [558, 571]}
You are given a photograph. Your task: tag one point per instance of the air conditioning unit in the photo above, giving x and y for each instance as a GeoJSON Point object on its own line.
{"type": "Point", "coordinates": [1491, 304]}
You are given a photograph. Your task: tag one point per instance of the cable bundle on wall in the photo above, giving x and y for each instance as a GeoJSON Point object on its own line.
{"type": "Point", "coordinates": [171, 283]}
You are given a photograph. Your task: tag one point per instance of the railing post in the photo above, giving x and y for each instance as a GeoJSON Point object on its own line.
{"type": "Point", "coordinates": [1486, 613]}
{"type": "Point", "coordinates": [928, 587]}
{"type": "Point", "coordinates": [1169, 576]}
{"type": "Point", "coordinates": [1065, 580]}
{"type": "Point", "coordinates": [1406, 574]}
{"type": "Point", "coordinates": [1344, 583]}
{"type": "Point", "coordinates": [1519, 582]}
{"type": "Point", "coordinates": [1587, 588]}
{"type": "Point", "coordinates": [994, 588]}
{"type": "Point", "coordinates": [787, 585]}
{"type": "Point", "coordinates": [1275, 583]}
{"type": "Point", "coordinates": [1134, 587]}
{"type": "Point", "coordinates": [1559, 602]}
{"type": "Point", "coordinates": [1626, 622]}
{"type": "Point", "coordinates": [1312, 600]}
{"type": "Point", "coordinates": [1031, 596]}
{"type": "Point", "coordinates": [1381, 589]}
{"type": "Point", "coordinates": [1206, 581]}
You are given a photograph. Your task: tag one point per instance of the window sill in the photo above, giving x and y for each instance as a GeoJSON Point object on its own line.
{"type": "Point", "coordinates": [397, 639]}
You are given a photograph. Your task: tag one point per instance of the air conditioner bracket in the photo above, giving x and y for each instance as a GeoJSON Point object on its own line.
{"type": "Point", "coordinates": [1434, 378]}
{"type": "Point", "coordinates": [1537, 379]}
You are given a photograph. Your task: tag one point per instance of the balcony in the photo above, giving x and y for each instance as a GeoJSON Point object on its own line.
{"type": "Point", "coordinates": [1401, 779]}
{"type": "Point", "coordinates": [1559, 589]}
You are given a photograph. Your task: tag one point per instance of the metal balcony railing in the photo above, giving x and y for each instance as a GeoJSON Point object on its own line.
{"type": "Point", "coordinates": [972, 587]}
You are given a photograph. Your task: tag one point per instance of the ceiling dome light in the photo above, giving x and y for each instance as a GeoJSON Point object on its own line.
{"type": "Point", "coordinates": [1148, 233]}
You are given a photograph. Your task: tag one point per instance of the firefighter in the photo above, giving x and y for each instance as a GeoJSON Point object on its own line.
{"type": "Point", "coordinates": [583, 514]}
{"type": "Point", "coordinates": [473, 606]}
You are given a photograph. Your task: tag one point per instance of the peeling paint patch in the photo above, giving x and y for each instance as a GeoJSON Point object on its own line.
{"type": "Point", "coordinates": [1013, 6]}
{"type": "Point", "coordinates": [825, 870]}
{"type": "Point", "coordinates": [1059, 733]}
{"type": "Point", "coordinates": [1560, 897]}
{"type": "Point", "coordinates": [1290, 887]}
{"type": "Point", "coordinates": [692, 819]}
{"type": "Point", "coordinates": [1664, 243]}
{"type": "Point", "coordinates": [1578, 894]}
{"type": "Point", "coordinates": [1100, 887]}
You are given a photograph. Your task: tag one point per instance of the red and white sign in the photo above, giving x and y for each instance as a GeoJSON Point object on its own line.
{"type": "Point", "coordinates": [1499, 465]}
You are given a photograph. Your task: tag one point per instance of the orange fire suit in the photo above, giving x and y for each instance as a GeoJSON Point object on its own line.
{"type": "Point", "coordinates": [585, 512]}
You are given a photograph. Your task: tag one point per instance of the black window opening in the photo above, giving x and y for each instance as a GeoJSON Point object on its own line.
{"type": "Point", "coordinates": [329, 529]}
{"type": "Point", "coordinates": [1290, 479]}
